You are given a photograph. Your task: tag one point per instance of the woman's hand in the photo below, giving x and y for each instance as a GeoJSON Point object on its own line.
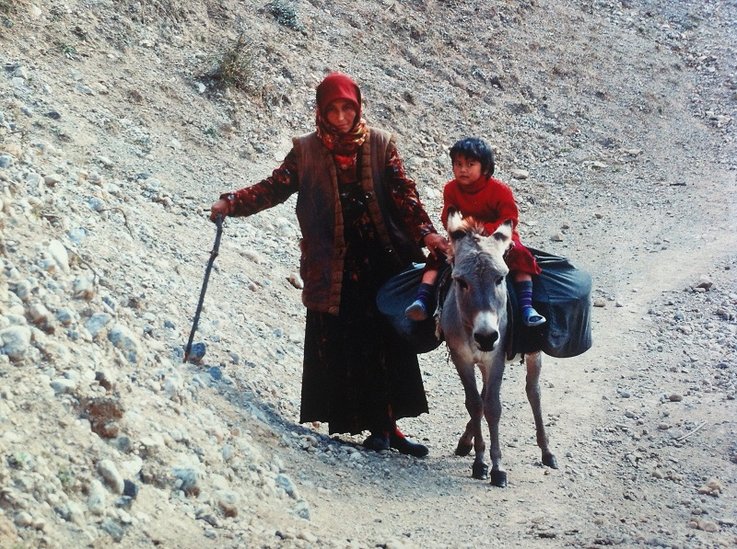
{"type": "Point", "coordinates": [221, 208]}
{"type": "Point", "coordinates": [436, 243]}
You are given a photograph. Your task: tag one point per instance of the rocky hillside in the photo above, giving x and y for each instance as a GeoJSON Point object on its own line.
{"type": "Point", "coordinates": [122, 120]}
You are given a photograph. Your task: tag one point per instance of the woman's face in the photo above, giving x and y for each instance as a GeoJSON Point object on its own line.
{"type": "Point", "coordinates": [341, 114]}
{"type": "Point", "coordinates": [466, 170]}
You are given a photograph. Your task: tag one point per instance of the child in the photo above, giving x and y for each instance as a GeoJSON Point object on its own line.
{"type": "Point", "coordinates": [475, 193]}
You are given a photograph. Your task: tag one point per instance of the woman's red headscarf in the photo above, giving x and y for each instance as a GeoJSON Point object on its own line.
{"type": "Point", "coordinates": [344, 146]}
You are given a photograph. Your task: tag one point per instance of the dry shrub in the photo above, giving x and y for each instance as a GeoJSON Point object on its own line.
{"type": "Point", "coordinates": [234, 69]}
{"type": "Point", "coordinates": [9, 6]}
{"type": "Point", "coordinates": [285, 14]}
{"type": "Point", "coordinates": [174, 12]}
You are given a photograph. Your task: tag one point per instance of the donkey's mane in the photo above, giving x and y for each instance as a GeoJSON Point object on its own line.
{"type": "Point", "coordinates": [472, 226]}
{"type": "Point", "coordinates": [477, 231]}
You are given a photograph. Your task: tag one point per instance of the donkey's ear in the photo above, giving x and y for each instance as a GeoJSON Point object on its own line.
{"type": "Point", "coordinates": [503, 233]}
{"type": "Point", "coordinates": [455, 220]}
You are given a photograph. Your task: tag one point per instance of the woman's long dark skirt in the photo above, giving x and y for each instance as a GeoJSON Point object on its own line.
{"type": "Point", "coordinates": [356, 370]}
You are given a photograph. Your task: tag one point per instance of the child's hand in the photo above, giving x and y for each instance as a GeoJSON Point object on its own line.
{"type": "Point", "coordinates": [436, 243]}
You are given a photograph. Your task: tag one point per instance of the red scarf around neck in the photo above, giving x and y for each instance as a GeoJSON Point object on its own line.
{"type": "Point", "coordinates": [344, 146]}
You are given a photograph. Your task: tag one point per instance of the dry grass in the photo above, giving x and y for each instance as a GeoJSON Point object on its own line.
{"type": "Point", "coordinates": [10, 6]}
{"type": "Point", "coordinates": [234, 69]}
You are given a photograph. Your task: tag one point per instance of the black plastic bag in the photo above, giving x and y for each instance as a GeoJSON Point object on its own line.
{"type": "Point", "coordinates": [394, 297]}
{"type": "Point", "coordinates": [562, 294]}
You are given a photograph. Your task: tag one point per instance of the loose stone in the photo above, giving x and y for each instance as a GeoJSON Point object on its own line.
{"type": "Point", "coordinates": [111, 475]}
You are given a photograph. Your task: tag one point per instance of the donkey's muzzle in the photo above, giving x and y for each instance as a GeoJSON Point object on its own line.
{"type": "Point", "coordinates": [486, 341]}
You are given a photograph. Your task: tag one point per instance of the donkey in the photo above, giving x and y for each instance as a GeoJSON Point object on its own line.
{"type": "Point", "coordinates": [473, 320]}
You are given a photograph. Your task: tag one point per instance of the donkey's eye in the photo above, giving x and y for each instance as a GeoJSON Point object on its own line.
{"type": "Point", "coordinates": [462, 284]}
{"type": "Point", "coordinates": [499, 280]}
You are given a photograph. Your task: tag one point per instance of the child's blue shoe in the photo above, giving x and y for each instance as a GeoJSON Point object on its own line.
{"type": "Point", "coordinates": [417, 311]}
{"type": "Point", "coordinates": [532, 318]}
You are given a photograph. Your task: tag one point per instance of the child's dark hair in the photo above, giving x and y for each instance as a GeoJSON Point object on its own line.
{"type": "Point", "coordinates": [476, 148]}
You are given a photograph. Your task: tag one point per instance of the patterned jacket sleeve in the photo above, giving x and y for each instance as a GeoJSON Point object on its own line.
{"type": "Point", "coordinates": [269, 192]}
{"type": "Point", "coordinates": [406, 199]}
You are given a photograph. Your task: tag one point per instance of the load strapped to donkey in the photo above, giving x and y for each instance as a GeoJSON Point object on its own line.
{"type": "Point", "coordinates": [562, 293]}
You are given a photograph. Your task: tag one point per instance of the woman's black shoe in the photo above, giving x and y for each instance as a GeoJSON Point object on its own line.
{"type": "Point", "coordinates": [377, 442]}
{"type": "Point", "coordinates": [405, 446]}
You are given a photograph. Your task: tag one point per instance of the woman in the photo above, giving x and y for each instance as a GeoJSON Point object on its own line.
{"type": "Point", "coordinates": [362, 222]}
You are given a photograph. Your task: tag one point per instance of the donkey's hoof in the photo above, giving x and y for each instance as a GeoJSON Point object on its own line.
{"type": "Point", "coordinates": [463, 448]}
{"type": "Point", "coordinates": [550, 461]}
{"type": "Point", "coordinates": [498, 478]}
{"type": "Point", "coordinates": [480, 470]}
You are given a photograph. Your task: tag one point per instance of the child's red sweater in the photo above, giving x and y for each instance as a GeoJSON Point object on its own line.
{"type": "Point", "coordinates": [491, 202]}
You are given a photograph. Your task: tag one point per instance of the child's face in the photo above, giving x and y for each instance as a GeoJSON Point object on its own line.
{"type": "Point", "coordinates": [466, 170]}
{"type": "Point", "coordinates": [341, 114]}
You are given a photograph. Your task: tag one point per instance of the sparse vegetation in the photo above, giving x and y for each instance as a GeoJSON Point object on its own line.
{"type": "Point", "coordinates": [66, 477]}
{"type": "Point", "coordinates": [6, 6]}
{"type": "Point", "coordinates": [69, 51]}
{"type": "Point", "coordinates": [234, 69]}
{"type": "Point", "coordinates": [173, 11]}
{"type": "Point", "coordinates": [285, 14]}
{"type": "Point", "coordinates": [19, 460]}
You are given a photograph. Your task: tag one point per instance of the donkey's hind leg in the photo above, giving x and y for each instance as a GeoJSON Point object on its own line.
{"type": "Point", "coordinates": [533, 361]}
{"type": "Point", "coordinates": [465, 443]}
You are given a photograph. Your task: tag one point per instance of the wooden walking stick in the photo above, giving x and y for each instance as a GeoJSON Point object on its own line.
{"type": "Point", "coordinates": [213, 255]}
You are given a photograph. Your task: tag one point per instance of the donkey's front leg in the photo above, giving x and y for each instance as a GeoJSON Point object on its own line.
{"type": "Point", "coordinates": [474, 406]}
{"type": "Point", "coordinates": [493, 411]}
{"type": "Point", "coordinates": [533, 362]}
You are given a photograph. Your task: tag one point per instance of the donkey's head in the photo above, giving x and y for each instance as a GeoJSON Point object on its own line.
{"type": "Point", "coordinates": [478, 279]}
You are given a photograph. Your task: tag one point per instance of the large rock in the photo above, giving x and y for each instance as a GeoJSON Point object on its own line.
{"type": "Point", "coordinates": [15, 341]}
{"type": "Point", "coordinates": [124, 339]}
{"type": "Point", "coordinates": [60, 255]}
